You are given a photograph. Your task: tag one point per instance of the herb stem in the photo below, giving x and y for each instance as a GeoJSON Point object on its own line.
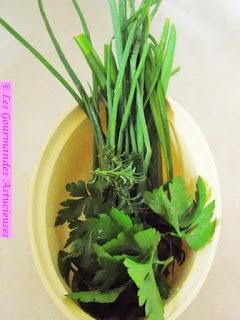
{"type": "Point", "coordinates": [127, 110]}
{"type": "Point", "coordinates": [117, 30]}
{"type": "Point", "coordinates": [41, 58]}
{"type": "Point", "coordinates": [59, 51]}
{"type": "Point", "coordinates": [111, 138]}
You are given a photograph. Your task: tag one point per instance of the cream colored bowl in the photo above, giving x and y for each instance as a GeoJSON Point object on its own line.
{"type": "Point", "coordinates": [67, 157]}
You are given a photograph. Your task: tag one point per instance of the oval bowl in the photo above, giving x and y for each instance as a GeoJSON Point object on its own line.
{"type": "Point", "coordinates": [67, 157]}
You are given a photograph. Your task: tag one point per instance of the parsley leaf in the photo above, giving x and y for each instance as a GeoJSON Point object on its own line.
{"type": "Point", "coordinates": [172, 204]}
{"type": "Point", "coordinates": [71, 210]}
{"type": "Point", "coordinates": [143, 276]}
{"type": "Point", "coordinates": [191, 219]}
{"type": "Point", "coordinates": [124, 242]}
{"type": "Point", "coordinates": [202, 226]}
{"type": "Point", "coordinates": [121, 218]}
{"type": "Point", "coordinates": [77, 189]}
{"type": "Point", "coordinates": [97, 296]}
{"type": "Point", "coordinates": [86, 198]}
{"type": "Point", "coordinates": [103, 228]}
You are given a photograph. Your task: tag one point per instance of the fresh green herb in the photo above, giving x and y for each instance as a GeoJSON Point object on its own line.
{"type": "Point", "coordinates": [143, 275]}
{"type": "Point", "coordinates": [97, 296]}
{"type": "Point", "coordinates": [128, 223]}
{"type": "Point", "coordinates": [191, 219]}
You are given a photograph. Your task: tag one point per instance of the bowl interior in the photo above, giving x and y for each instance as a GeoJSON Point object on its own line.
{"type": "Point", "coordinates": [68, 157]}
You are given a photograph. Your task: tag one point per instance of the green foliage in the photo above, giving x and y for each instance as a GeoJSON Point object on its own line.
{"type": "Point", "coordinates": [121, 251]}
{"type": "Point", "coordinates": [93, 59]}
{"type": "Point", "coordinates": [97, 296]}
{"type": "Point", "coordinates": [202, 225]}
{"type": "Point", "coordinates": [122, 175]}
{"type": "Point", "coordinates": [191, 219]}
{"type": "Point", "coordinates": [116, 242]}
{"type": "Point", "coordinates": [173, 206]}
{"type": "Point", "coordinates": [143, 276]}
{"type": "Point", "coordinates": [86, 199]}
{"type": "Point", "coordinates": [72, 209]}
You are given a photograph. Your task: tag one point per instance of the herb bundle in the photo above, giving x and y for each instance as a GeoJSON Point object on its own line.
{"type": "Point", "coordinates": [128, 223]}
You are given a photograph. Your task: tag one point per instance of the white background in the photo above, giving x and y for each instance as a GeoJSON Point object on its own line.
{"type": "Point", "coordinates": [208, 87]}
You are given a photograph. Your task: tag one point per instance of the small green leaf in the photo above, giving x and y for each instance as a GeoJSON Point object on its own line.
{"type": "Point", "coordinates": [201, 228]}
{"type": "Point", "coordinates": [103, 228]}
{"type": "Point", "coordinates": [123, 243]}
{"type": "Point", "coordinates": [77, 249]}
{"type": "Point", "coordinates": [105, 278]}
{"type": "Point", "coordinates": [201, 199]}
{"type": "Point", "coordinates": [111, 270]}
{"type": "Point", "coordinates": [200, 235]}
{"type": "Point", "coordinates": [102, 255]}
{"type": "Point", "coordinates": [200, 224]}
{"type": "Point", "coordinates": [181, 200]}
{"type": "Point", "coordinates": [147, 239]}
{"type": "Point", "coordinates": [167, 211]}
{"type": "Point", "coordinates": [97, 296]}
{"type": "Point", "coordinates": [206, 214]}
{"type": "Point", "coordinates": [148, 293]}
{"type": "Point", "coordinates": [71, 210]}
{"type": "Point", "coordinates": [121, 218]}
{"type": "Point", "coordinates": [171, 207]}
{"type": "Point", "coordinates": [95, 206]}
{"type": "Point", "coordinates": [152, 200]}
{"type": "Point", "coordinates": [143, 275]}
{"type": "Point", "coordinates": [137, 271]}
{"type": "Point", "coordinates": [77, 189]}
{"type": "Point", "coordinates": [191, 220]}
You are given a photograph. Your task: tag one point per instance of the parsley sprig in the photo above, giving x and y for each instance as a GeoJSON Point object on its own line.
{"type": "Point", "coordinates": [192, 220]}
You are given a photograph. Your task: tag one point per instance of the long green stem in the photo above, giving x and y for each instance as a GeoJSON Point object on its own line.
{"type": "Point", "coordinates": [87, 34]}
{"type": "Point", "coordinates": [133, 136]}
{"type": "Point", "coordinates": [59, 50]}
{"type": "Point", "coordinates": [41, 58]}
{"type": "Point", "coordinates": [93, 59]}
{"type": "Point", "coordinates": [117, 92]}
{"type": "Point", "coordinates": [127, 110]}
{"type": "Point", "coordinates": [117, 30]}
{"type": "Point", "coordinates": [164, 36]}
{"type": "Point", "coordinates": [145, 132]}
{"type": "Point", "coordinates": [155, 9]}
{"type": "Point", "coordinates": [167, 64]}
{"type": "Point", "coordinates": [82, 19]}
{"type": "Point", "coordinates": [140, 14]}
{"type": "Point", "coordinates": [156, 73]}
{"type": "Point", "coordinates": [109, 85]}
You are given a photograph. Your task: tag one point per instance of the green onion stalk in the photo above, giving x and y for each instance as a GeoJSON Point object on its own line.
{"type": "Point", "coordinates": [131, 82]}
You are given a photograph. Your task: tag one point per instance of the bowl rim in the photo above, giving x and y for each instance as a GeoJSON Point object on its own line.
{"type": "Point", "coordinates": [34, 251]}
